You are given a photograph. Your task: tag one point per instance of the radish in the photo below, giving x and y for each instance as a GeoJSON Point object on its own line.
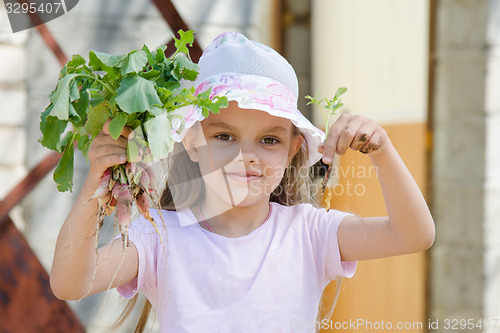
{"type": "Point", "coordinates": [143, 204]}
{"type": "Point", "coordinates": [103, 188]}
{"type": "Point", "coordinates": [142, 90]}
{"type": "Point", "coordinates": [144, 179]}
{"type": "Point", "coordinates": [123, 211]}
{"type": "Point", "coordinates": [120, 187]}
{"type": "Point", "coordinates": [332, 105]}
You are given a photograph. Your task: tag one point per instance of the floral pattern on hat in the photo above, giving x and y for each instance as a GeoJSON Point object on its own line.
{"type": "Point", "coordinates": [251, 91]}
{"type": "Point", "coordinates": [223, 84]}
{"type": "Point", "coordinates": [278, 97]}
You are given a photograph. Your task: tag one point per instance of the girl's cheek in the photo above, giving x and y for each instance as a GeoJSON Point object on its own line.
{"type": "Point", "coordinates": [275, 169]}
{"type": "Point", "coordinates": [279, 159]}
{"type": "Point", "coordinates": [227, 154]}
{"type": "Point", "coordinates": [218, 156]}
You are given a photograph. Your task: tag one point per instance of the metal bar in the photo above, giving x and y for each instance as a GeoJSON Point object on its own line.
{"type": "Point", "coordinates": [175, 21]}
{"type": "Point", "coordinates": [170, 48]}
{"type": "Point", "coordinates": [46, 35]}
{"type": "Point", "coordinates": [29, 182]}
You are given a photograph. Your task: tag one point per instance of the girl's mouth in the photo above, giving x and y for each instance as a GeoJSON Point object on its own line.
{"type": "Point", "coordinates": [245, 177]}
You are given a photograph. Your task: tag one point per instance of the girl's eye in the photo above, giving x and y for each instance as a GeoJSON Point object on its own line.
{"type": "Point", "coordinates": [223, 137]}
{"type": "Point", "coordinates": [270, 140]}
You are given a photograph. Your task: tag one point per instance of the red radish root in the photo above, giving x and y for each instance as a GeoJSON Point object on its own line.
{"type": "Point", "coordinates": [120, 187]}
{"type": "Point", "coordinates": [103, 188]}
{"type": "Point", "coordinates": [124, 211]}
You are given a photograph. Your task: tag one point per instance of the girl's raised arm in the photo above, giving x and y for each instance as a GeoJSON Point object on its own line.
{"type": "Point", "coordinates": [75, 260]}
{"type": "Point", "coordinates": [409, 226]}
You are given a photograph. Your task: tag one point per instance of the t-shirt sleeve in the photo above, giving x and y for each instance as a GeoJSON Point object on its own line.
{"type": "Point", "coordinates": [323, 232]}
{"type": "Point", "coordinates": [145, 240]}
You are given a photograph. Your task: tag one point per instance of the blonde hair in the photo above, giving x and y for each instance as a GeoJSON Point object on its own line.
{"type": "Point", "coordinates": [295, 187]}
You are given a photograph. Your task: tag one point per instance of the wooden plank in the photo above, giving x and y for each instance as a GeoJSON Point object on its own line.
{"type": "Point", "coordinates": [27, 303]}
{"type": "Point", "coordinates": [277, 33]}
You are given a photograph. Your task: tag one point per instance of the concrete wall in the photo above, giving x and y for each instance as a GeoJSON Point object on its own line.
{"type": "Point", "coordinates": [465, 271]}
{"type": "Point", "coordinates": [378, 50]}
{"type": "Point", "coordinates": [28, 73]}
{"type": "Point", "coordinates": [13, 108]}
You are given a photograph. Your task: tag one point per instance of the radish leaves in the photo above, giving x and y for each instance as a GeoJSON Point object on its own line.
{"type": "Point", "coordinates": [328, 111]}
{"type": "Point", "coordinates": [139, 89]}
{"type": "Point", "coordinates": [332, 105]}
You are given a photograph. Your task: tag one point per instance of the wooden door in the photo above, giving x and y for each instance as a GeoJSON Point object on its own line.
{"type": "Point", "coordinates": [388, 291]}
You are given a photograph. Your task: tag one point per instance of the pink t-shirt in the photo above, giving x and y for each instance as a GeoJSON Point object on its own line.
{"type": "Point", "coordinates": [270, 280]}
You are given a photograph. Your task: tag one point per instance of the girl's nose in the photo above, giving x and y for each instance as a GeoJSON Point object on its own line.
{"type": "Point", "coordinates": [248, 152]}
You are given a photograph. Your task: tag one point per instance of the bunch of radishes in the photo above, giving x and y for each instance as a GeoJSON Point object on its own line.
{"type": "Point", "coordinates": [141, 90]}
{"type": "Point", "coordinates": [127, 183]}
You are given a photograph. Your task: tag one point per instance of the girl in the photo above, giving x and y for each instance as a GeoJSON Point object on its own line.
{"type": "Point", "coordinates": [241, 247]}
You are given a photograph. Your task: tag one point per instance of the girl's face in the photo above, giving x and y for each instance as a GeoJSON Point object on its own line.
{"type": "Point", "coordinates": [242, 153]}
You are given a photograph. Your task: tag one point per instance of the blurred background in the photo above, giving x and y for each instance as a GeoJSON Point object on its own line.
{"type": "Point", "coordinates": [427, 70]}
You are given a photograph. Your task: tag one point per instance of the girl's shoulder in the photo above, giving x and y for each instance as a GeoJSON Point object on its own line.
{"type": "Point", "coordinates": [307, 214]}
{"type": "Point", "coordinates": [305, 210]}
{"type": "Point", "coordinates": [294, 209]}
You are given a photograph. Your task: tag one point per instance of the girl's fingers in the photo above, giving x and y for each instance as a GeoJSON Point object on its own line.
{"type": "Point", "coordinates": [107, 152]}
{"type": "Point", "coordinates": [99, 164]}
{"type": "Point", "coordinates": [321, 147]}
{"type": "Point", "coordinates": [330, 145]}
{"type": "Point", "coordinates": [126, 133]}
{"type": "Point", "coordinates": [104, 156]}
{"type": "Point", "coordinates": [355, 132]}
{"type": "Point", "coordinates": [365, 132]}
{"type": "Point", "coordinates": [376, 142]}
{"type": "Point", "coordinates": [347, 138]}
{"type": "Point", "coordinates": [105, 127]}
{"type": "Point", "coordinates": [107, 149]}
{"type": "Point", "coordinates": [103, 139]}
{"type": "Point", "coordinates": [106, 161]}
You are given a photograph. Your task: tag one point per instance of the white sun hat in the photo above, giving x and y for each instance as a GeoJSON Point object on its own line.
{"type": "Point", "coordinates": [255, 76]}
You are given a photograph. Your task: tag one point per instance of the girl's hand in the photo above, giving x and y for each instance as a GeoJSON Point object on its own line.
{"type": "Point", "coordinates": [106, 152]}
{"type": "Point", "coordinates": [355, 132]}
